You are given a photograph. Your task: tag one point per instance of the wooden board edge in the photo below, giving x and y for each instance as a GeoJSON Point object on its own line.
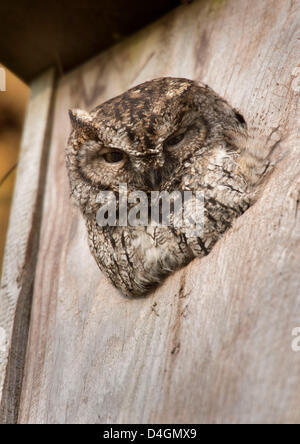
{"type": "Point", "coordinates": [22, 244]}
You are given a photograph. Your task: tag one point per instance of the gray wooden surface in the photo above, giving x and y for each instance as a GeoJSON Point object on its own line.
{"type": "Point", "coordinates": [214, 343]}
{"type": "Point", "coordinates": [22, 246]}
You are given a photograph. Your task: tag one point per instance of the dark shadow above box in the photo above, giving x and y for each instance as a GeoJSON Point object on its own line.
{"type": "Point", "coordinates": [35, 35]}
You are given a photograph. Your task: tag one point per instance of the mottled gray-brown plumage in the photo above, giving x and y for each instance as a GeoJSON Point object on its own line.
{"type": "Point", "coordinates": [166, 134]}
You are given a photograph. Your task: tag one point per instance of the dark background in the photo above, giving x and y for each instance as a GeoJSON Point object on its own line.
{"type": "Point", "coordinates": [35, 35]}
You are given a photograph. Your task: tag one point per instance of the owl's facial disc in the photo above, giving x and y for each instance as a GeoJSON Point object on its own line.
{"type": "Point", "coordinates": [96, 162]}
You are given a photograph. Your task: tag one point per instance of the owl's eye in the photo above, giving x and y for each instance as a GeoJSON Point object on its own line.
{"type": "Point", "coordinates": [114, 156]}
{"type": "Point", "coordinates": [174, 140]}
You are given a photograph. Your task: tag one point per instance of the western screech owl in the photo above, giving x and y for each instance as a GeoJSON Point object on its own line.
{"type": "Point", "coordinates": [167, 134]}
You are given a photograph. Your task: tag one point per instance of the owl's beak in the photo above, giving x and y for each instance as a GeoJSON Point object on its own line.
{"type": "Point", "coordinates": [149, 161]}
{"type": "Point", "coordinates": [155, 161]}
{"type": "Point", "coordinates": [149, 168]}
{"type": "Point", "coordinates": [153, 178]}
{"type": "Point", "coordinates": [153, 172]}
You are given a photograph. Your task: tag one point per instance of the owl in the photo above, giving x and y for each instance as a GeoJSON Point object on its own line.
{"type": "Point", "coordinates": [167, 134]}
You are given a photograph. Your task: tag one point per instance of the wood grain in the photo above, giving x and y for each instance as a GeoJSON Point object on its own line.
{"type": "Point", "coordinates": [22, 246]}
{"type": "Point", "coordinates": [213, 344]}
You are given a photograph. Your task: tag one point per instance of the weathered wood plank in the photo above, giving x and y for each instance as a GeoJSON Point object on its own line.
{"type": "Point", "coordinates": [21, 247]}
{"type": "Point", "coordinates": [216, 347]}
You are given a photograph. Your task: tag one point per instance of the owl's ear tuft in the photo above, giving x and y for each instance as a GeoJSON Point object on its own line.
{"type": "Point", "coordinates": [79, 118]}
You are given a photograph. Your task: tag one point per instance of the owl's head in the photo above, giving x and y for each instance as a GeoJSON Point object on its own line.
{"type": "Point", "coordinates": [145, 135]}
